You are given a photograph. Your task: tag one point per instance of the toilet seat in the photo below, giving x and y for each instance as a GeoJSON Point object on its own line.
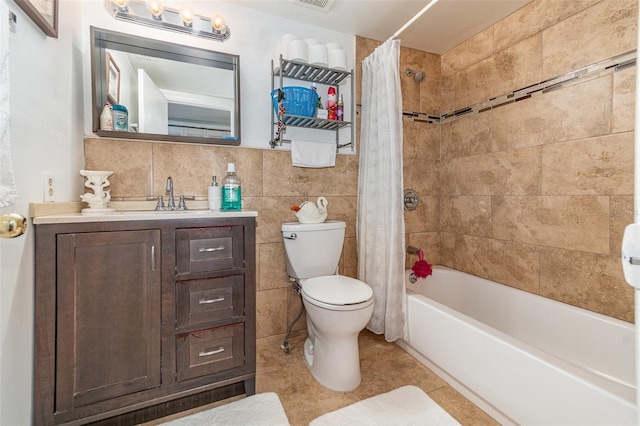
{"type": "Point", "coordinates": [336, 291]}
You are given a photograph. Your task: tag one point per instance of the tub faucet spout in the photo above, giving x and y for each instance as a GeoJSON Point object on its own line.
{"type": "Point", "coordinates": [412, 250]}
{"type": "Point", "coordinates": [171, 203]}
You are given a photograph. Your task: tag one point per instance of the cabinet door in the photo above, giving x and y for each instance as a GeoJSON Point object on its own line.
{"type": "Point", "coordinates": [108, 316]}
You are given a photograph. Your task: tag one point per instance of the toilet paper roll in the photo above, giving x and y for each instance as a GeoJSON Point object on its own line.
{"type": "Point", "coordinates": [297, 50]}
{"type": "Point", "coordinates": [337, 59]}
{"type": "Point", "coordinates": [285, 39]}
{"type": "Point", "coordinates": [332, 46]}
{"type": "Point", "coordinates": [312, 41]}
{"type": "Point", "coordinates": [318, 55]}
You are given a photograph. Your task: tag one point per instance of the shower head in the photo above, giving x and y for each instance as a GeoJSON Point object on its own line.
{"type": "Point", "coordinates": [418, 76]}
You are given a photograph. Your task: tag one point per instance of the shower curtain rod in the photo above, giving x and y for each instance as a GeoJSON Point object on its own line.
{"type": "Point", "coordinates": [412, 20]}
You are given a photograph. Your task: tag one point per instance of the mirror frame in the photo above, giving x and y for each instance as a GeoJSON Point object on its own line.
{"type": "Point", "coordinates": [102, 39]}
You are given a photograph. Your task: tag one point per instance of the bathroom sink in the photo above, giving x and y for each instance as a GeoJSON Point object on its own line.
{"type": "Point", "coordinates": [198, 208]}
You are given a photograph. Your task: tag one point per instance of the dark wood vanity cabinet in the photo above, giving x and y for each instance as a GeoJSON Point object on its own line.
{"type": "Point", "coordinates": [136, 320]}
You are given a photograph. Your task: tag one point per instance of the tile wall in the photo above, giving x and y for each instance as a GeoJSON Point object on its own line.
{"type": "Point", "coordinates": [534, 194]}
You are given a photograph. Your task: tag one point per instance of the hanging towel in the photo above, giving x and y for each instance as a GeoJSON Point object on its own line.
{"type": "Point", "coordinates": [8, 193]}
{"type": "Point", "coordinates": [313, 154]}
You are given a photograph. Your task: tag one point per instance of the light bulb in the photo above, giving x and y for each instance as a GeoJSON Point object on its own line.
{"type": "Point", "coordinates": [122, 5]}
{"type": "Point", "coordinates": [217, 23]}
{"type": "Point", "coordinates": [156, 8]}
{"type": "Point", "coordinates": [187, 16]}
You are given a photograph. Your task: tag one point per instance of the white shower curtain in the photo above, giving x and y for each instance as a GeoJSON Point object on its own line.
{"type": "Point", "coordinates": [380, 223]}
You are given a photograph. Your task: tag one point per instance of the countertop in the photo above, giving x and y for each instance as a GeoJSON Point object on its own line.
{"type": "Point", "coordinates": [51, 213]}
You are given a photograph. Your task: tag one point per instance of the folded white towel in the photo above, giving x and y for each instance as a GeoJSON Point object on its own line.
{"type": "Point", "coordinates": [313, 154]}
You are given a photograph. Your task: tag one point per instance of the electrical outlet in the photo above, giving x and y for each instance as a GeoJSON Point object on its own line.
{"type": "Point", "coordinates": [48, 186]}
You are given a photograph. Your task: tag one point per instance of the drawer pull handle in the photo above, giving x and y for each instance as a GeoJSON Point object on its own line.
{"type": "Point", "coordinates": [204, 301]}
{"type": "Point", "coordinates": [213, 352]}
{"type": "Point", "coordinates": [206, 250]}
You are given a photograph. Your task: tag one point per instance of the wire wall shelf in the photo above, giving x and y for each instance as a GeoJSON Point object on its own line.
{"type": "Point", "coordinates": [314, 123]}
{"type": "Point", "coordinates": [313, 73]}
{"type": "Point", "coordinates": [316, 74]}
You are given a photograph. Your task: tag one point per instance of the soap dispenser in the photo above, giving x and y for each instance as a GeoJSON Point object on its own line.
{"type": "Point", "coordinates": [214, 196]}
{"type": "Point", "coordinates": [106, 118]}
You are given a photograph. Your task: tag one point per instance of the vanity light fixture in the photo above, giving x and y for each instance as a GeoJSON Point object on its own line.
{"type": "Point", "coordinates": [122, 5]}
{"type": "Point", "coordinates": [155, 7]}
{"type": "Point", "coordinates": [153, 13]}
{"type": "Point", "coordinates": [218, 25]}
{"type": "Point", "coordinates": [187, 17]}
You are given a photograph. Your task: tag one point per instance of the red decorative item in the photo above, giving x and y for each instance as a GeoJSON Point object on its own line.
{"type": "Point", "coordinates": [421, 268]}
{"type": "Point", "coordinates": [331, 104]}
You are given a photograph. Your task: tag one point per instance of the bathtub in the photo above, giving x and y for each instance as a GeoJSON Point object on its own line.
{"type": "Point", "coordinates": [522, 358]}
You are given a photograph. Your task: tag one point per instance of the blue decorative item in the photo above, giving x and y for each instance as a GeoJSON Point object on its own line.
{"type": "Point", "coordinates": [299, 101]}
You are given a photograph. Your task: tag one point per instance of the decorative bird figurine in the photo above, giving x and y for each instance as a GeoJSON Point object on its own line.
{"type": "Point", "coordinates": [308, 212]}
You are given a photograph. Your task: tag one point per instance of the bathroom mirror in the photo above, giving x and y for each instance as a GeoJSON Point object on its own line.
{"type": "Point", "coordinates": [171, 92]}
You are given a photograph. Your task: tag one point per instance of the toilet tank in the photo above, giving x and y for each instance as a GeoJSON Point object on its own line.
{"type": "Point", "coordinates": [312, 249]}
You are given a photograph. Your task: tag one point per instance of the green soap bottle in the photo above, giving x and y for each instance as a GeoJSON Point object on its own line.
{"type": "Point", "coordinates": [231, 190]}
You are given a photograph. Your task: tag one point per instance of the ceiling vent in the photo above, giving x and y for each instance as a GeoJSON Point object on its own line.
{"type": "Point", "coordinates": [320, 5]}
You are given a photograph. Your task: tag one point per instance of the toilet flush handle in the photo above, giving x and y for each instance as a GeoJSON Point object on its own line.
{"type": "Point", "coordinates": [293, 236]}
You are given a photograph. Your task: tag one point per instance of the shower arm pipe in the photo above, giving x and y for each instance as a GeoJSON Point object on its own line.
{"type": "Point", "coordinates": [415, 18]}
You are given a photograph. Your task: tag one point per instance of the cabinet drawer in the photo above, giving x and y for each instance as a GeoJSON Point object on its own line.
{"type": "Point", "coordinates": [211, 299]}
{"type": "Point", "coordinates": [210, 351]}
{"type": "Point", "coordinates": [209, 249]}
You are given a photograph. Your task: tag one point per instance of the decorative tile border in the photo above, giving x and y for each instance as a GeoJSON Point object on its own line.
{"type": "Point", "coordinates": [599, 69]}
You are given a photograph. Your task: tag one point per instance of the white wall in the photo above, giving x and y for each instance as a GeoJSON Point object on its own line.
{"type": "Point", "coordinates": [50, 114]}
{"type": "Point", "coordinates": [254, 36]}
{"type": "Point", "coordinates": [46, 135]}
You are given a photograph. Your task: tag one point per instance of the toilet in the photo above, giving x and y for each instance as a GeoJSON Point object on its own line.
{"type": "Point", "coordinates": [338, 307]}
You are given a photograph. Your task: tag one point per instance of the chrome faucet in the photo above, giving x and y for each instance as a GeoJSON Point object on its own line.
{"type": "Point", "coordinates": [171, 203]}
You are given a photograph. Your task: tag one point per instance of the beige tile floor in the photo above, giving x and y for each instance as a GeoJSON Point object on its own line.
{"type": "Point", "coordinates": [384, 367]}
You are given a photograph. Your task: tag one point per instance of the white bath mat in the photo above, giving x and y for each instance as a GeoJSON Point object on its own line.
{"type": "Point", "coordinates": [263, 409]}
{"type": "Point", "coordinates": [405, 406]}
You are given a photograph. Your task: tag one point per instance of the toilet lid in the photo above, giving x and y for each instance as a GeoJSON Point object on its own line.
{"type": "Point", "coordinates": [337, 290]}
